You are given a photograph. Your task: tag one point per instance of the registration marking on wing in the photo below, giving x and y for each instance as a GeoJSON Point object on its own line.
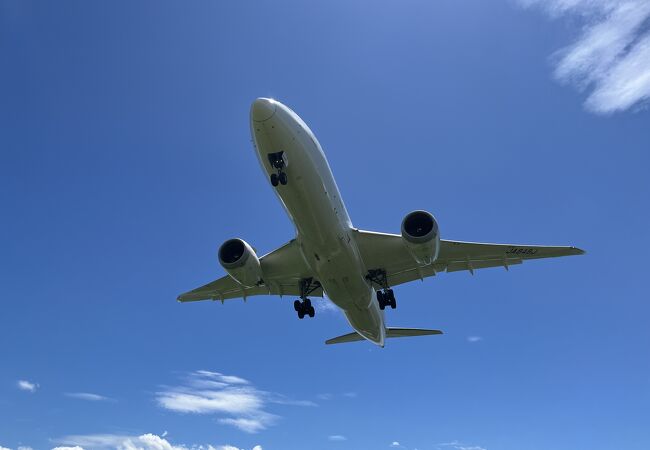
{"type": "Point", "coordinates": [521, 251]}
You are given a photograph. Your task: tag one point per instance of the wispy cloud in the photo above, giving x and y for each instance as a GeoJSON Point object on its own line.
{"type": "Point", "coordinates": [473, 339]}
{"type": "Point", "coordinates": [146, 441]}
{"type": "Point", "coordinates": [242, 404]}
{"type": "Point", "coordinates": [87, 396]}
{"type": "Point", "coordinates": [330, 396]}
{"type": "Point", "coordinates": [611, 57]}
{"type": "Point", "coordinates": [28, 386]}
{"type": "Point", "coordinates": [337, 438]}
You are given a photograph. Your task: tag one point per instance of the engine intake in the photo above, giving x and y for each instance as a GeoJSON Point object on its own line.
{"type": "Point", "coordinates": [241, 262]}
{"type": "Point", "coordinates": [421, 236]}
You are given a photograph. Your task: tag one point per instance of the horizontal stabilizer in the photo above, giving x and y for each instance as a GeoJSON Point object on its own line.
{"type": "Point", "coordinates": [350, 337]}
{"type": "Point", "coordinates": [390, 333]}
{"type": "Point", "coordinates": [406, 332]}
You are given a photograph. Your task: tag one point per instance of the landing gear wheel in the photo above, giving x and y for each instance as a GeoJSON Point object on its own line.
{"type": "Point", "coordinates": [304, 308]}
{"type": "Point", "coordinates": [275, 179]}
{"type": "Point", "coordinates": [282, 178]}
{"type": "Point", "coordinates": [381, 299]}
{"type": "Point", "coordinates": [391, 299]}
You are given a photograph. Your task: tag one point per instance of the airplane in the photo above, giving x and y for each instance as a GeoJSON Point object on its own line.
{"type": "Point", "coordinates": [356, 269]}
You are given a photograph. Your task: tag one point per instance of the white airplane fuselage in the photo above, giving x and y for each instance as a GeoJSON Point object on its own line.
{"type": "Point", "coordinates": [314, 204]}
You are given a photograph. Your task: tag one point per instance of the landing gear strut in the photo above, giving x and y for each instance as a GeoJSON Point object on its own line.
{"type": "Point", "coordinates": [278, 163]}
{"type": "Point", "coordinates": [385, 295]}
{"type": "Point", "coordinates": [303, 306]}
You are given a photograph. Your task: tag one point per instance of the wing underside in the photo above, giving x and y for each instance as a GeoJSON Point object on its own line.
{"type": "Point", "coordinates": [283, 269]}
{"type": "Point", "coordinates": [388, 252]}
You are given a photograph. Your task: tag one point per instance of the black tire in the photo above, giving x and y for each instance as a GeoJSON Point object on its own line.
{"type": "Point", "coordinates": [274, 179]}
{"type": "Point", "coordinates": [382, 305]}
{"type": "Point", "coordinates": [297, 305]}
{"type": "Point", "coordinates": [307, 303]}
{"type": "Point", "coordinates": [380, 297]}
{"type": "Point", "coordinates": [311, 311]}
{"type": "Point", "coordinates": [283, 178]}
{"type": "Point", "coordinates": [301, 314]}
{"type": "Point", "coordinates": [393, 303]}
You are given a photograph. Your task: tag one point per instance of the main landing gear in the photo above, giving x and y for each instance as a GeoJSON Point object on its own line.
{"type": "Point", "coordinates": [303, 306]}
{"type": "Point", "coordinates": [278, 163]}
{"type": "Point", "coordinates": [385, 295]}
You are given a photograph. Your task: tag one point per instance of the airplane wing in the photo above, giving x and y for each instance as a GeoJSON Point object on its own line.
{"type": "Point", "coordinates": [282, 268]}
{"type": "Point", "coordinates": [388, 252]}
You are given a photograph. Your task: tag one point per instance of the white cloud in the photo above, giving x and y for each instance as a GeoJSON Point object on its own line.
{"type": "Point", "coordinates": [251, 425]}
{"type": "Point", "coordinates": [28, 386]}
{"type": "Point", "coordinates": [4, 448]}
{"type": "Point", "coordinates": [24, 448]}
{"type": "Point", "coordinates": [337, 437]}
{"type": "Point", "coordinates": [87, 396]}
{"type": "Point", "coordinates": [395, 444]}
{"type": "Point", "coordinates": [206, 392]}
{"type": "Point", "coordinates": [611, 58]}
{"type": "Point", "coordinates": [231, 447]}
{"type": "Point", "coordinates": [472, 339]}
{"type": "Point", "coordinates": [146, 441]}
{"type": "Point", "coordinates": [455, 445]}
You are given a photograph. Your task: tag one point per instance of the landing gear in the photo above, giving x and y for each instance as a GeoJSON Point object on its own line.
{"type": "Point", "coordinates": [386, 298]}
{"type": "Point", "coordinates": [303, 306]}
{"type": "Point", "coordinates": [385, 295]}
{"type": "Point", "coordinates": [278, 162]}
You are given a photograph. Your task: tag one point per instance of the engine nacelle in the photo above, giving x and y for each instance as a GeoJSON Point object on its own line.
{"type": "Point", "coordinates": [241, 262]}
{"type": "Point", "coordinates": [421, 236]}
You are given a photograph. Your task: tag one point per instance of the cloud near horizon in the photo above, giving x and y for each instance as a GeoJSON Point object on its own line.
{"type": "Point", "coordinates": [146, 441]}
{"type": "Point", "coordinates": [611, 58]}
{"type": "Point", "coordinates": [455, 445]}
{"type": "Point", "coordinates": [242, 404]}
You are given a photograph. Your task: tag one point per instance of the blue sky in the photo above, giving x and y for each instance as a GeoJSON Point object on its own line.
{"type": "Point", "coordinates": [125, 161]}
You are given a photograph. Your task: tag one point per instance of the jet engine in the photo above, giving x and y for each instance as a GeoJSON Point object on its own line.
{"type": "Point", "coordinates": [421, 236]}
{"type": "Point", "coordinates": [241, 262]}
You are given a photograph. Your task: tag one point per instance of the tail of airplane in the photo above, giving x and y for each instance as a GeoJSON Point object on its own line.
{"type": "Point", "coordinates": [390, 333]}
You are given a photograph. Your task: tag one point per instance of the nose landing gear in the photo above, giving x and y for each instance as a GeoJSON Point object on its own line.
{"type": "Point", "coordinates": [385, 295]}
{"type": "Point", "coordinates": [278, 162]}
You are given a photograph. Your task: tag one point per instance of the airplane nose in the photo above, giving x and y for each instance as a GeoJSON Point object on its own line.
{"type": "Point", "coordinates": [263, 109]}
